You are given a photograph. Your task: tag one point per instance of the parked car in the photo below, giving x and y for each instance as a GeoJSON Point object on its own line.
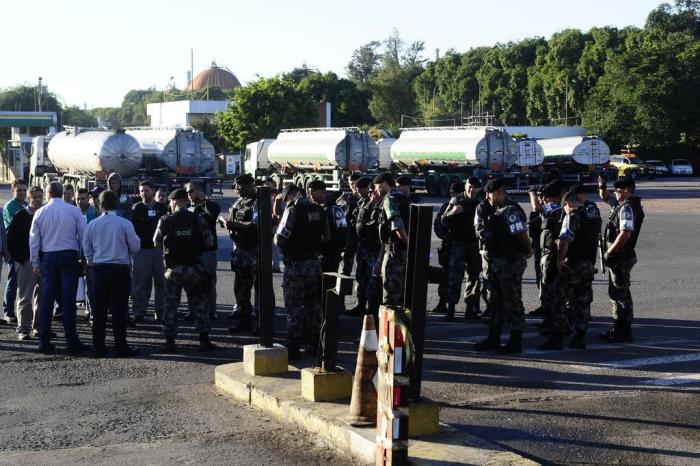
{"type": "Point", "coordinates": [681, 167]}
{"type": "Point", "coordinates": [634, 167]}
{"type": "Point", "coordinates": [661, 168]}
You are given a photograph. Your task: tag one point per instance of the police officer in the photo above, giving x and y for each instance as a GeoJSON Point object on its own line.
{"type": "Point", "coordinates": [404, 184]}
{"type": "Point", "coordinates": [551, 217]}
{"type": "Point", "coordinates": [508, 247]}
{"type": "Point", "coordinates": [482, 217]}
{"type": "Point", "coordinates": [443, 250]}
{"type": "Point", "coordinates": [621, 234]}
{"type": "Point", "coordinates": [534, 228]}
{"type": "Point", "coordinates": [368, 245]}
{"type": "Point", "coordinates": [348, 202]}
{"type": "Point", "coordinates": [331, 250]}
{"type": "Point", "coordinates": [394, 222]}
{"type": "Point", "coordinates": [242, 227]}
{"type": "Point", "coordinates": [577, 248]}
{"type": "Point", "coordinates": [299, 236]}
{"type": "Point", "coordinates": [183, 236]}
{"type": "Point", "coordinates": [459, 221]}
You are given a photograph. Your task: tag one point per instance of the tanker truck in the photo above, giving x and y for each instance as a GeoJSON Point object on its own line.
{"type": "Point", "coordinates": [436, 157]}
{"type": "Point", "coordinates": [86, 157]}
{"type": "Point", "coordinates": [576, 158]}
{"type": "Point", "coordinates": [180, 150]}
{"type": "Point", "coordinates": [301, 155]}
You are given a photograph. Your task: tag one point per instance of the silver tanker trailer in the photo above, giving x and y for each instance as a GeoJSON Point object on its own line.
{"type": "Point", "coordinates": [180, 150]}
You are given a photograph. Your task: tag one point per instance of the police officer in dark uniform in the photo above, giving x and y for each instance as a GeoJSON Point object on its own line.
{"type": "Point", "coordinates": [242, 227]}
{"type": "Point", "coordinates": [368, 245]}
{"type": "Point", "coordinates": [405, 186]}
{"type": "Point", "coordinates": [394, 235]}
{"type": "Point", "coordinates": [183, 236]}
{"type": "Point", "coordinates": [508, 246]}
{"type": "Point", "coordinates": [551, 217]}
{"type": "Point", "coordinates": [464, 250]}
{"type": "Point", "coordinates": [301, 231]}
{"type": "Point", "coordinates": [621, 234]}
{"type": "Point", "coordinates": [331, 250]}
{"type": "Point", "coordinates": [534, 228]}
{"type": "Point", "coordinates": [577, 248]}
{"type": "Point", "coordinates": [348, 202]}
{"type": "Point", "coordinates": [443, 251]}
{"type": "Point", "coordinates": [482, 218]}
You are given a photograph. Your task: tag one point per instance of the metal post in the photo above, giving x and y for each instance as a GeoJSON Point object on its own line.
{"type": "Point", "coordinates": [266, 313]}
{"type": "Point", "coordinates": [416, 293]}
{"type": "Point", "coordinates": [334, 287]}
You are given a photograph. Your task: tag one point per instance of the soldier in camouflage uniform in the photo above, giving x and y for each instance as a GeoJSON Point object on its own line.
{"type": "Point", "coordinates": [331, 250]}
{"type": "Point", "coordinates": [368, 245]}
{"type": "Point", "coordinates": [183, 235]}
{"type": "Point", "coordinates": [299, 236]}
{"type": "Point", "coordinates": [242, 227]}
{"type": "Point", "coordinates": [621, 234]}
{"type": "Point", "coordinates": [551, 217]}
{"type": "Point", "coordinates": [348, 202]}
{"type": "Point", "coordinates": [508, 246]}
{"type": "Point", "coordinates": [482, 217]}
{"type": "Point", "coordinates": [394, 236]}
{"type": "Point", "coordinates": [443, 252]}
{"type": "Point", "coordinates": [534, 228]}
{"type": "Point", "coordinates": [576, 253]}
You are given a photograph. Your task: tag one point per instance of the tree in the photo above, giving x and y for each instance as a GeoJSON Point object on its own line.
{"type": "Point", "coordinates": [261, 109]}
{"type": "Point", "coordinates": [75, 116]}
{"type": "Point", "coordinates": [24, 99]}
{"type": "Point", "coordinates": [364, 63]}
{"type": "Point", "coordinates": [349, 104]}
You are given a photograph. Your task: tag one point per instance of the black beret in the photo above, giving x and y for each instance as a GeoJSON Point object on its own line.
{"type": "Point", "coordinates": [494, 185]}
{"type": "Point", "coordinates": [364, 182]}
{"type": "Point", "coordinates": [178, 194]}
{"type": "Point", "coordinates": [625, 182]}
{"type": "Point", "coordinates": [317, 184]}
{"type": "Point", "coordinates": [382, 177]}
{"type": "Point", "coordinates": [245, 178]}
{"type": "Point", "coordinates": [457, 187]}
{"type": "Point", "coordinates": [553, 188]}
{"type": "Point", "coordinates": [578, 189]}
{"type": "Point", "coordinates": [289, 189]}
{"type": "Point", "coordinates": [474, 181]}
{"type": "Point", "coordinates": [403, 180]}
{"type": "Point", "coordinates": [570, 196]}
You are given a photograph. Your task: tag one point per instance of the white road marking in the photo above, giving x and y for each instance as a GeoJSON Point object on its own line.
{"type": "Point", "coordinates": [673, 380]}
{"type": "Point", "coordinates": [643, 362]}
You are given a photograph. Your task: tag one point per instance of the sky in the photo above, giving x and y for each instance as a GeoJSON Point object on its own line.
{"type": "Point", "coordinates": [93, 52]}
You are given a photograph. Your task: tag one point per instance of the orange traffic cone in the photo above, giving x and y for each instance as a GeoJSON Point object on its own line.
{"type": "Point", "coordinates": [363, 403]}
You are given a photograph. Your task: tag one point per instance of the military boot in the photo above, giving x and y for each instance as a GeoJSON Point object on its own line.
{"type": "Point", "coordinates": [450, 314]}
{"type": "Point", "coordinates": [623, 334]}
{"type": "Point", "coordinates": [514, 345]}
{"type": "Point", "coordinates": [169, 346]}
{"type": "Point", "coordinates": [554, 342]}
{"type": "Point", "coordinates": [611, 332]}
{"type": "Point", "coordinates": [579, 340]}
{"type": "Point", "coordinates": [204, 343]}
{"type": "Point", "coordinates": [241, 324]}
{"type": "Point", "coordinates": [441, 308]}
{"type": "Point", "coordinates": [472, 312]}
{"type": "Point", "coordinates": [492, 342]}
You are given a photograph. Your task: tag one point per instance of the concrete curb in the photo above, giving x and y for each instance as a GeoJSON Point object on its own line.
{"type": "Point", "coordinates": [280, 396]}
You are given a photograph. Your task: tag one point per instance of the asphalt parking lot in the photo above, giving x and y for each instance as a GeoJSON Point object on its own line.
{"type": "Point", "coordinates": [610, 404]}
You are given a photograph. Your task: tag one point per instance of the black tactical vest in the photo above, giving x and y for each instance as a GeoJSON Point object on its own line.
{"type": "Point", "coordinates": [367, 225]}
{"type": "Point", "coordinates": [462, 225]}
{"type": "Point", "coordinates": [505, 244]}
{"type": "Point", "coordinates": [305, 240]}
{"type": "Point", "coordinates": [242, 211]}
{"type": "Point", "coordinates": [551, 226]}
{"type": "Point", "coordinates": [402, 202]}
{"type": "Point", "coordinates": [338, 233]}
{"type": "Point", "coordinates": [182, 243]}
{"type": "Point", "coordinates": [584, 247]}
{"type": "Point", "coordinates": [613, 227]}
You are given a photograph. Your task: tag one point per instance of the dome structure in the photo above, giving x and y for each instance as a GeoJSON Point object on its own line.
{"type": "Point", "coordinates": [214, 77]}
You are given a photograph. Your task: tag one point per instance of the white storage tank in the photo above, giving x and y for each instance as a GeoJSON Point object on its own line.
{"type": "Point", "coordinates": [472, 145]}
{"type": "Point", "coordinates": [530, 152]}
{"type": "Point", "coordinates": [91, 152]}
{"type": "Point", "coordinates": [347, 148]}
{"type": "Point", "coordinates": [586, 150]}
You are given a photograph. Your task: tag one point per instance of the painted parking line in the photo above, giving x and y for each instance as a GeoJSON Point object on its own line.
{"type": "Point", "coordinates": [644, 362]}
{"type": "Point", "coordinates": [671, 380]}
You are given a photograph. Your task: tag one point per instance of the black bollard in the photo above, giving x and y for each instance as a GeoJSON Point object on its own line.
{"type": "Point", "coordinates": [416, 292]}
{"type": "Point", "coordinates": [335, 287]}
{"type": "Point", "coordinates": [266, 313]}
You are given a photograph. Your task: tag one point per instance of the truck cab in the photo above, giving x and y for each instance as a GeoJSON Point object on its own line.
{"type": "Point", "coordinates": [256, 159]}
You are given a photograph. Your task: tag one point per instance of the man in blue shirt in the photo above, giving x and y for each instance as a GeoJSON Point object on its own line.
{"type": "Point", "coordinates": [108, 244]}
{"type": "Point", "coordinates": [14, 205]}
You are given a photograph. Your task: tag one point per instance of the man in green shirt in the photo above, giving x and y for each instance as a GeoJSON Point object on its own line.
{"type": "Point", "coordinates": [14, 205]}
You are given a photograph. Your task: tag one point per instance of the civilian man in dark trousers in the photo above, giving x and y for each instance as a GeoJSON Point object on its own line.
{"type": "Point", "coordinates": [109, 241]}
{"type": "Point", "coordinates": [148, 267]}
{"type": "Point", "coordinates": [54, 241]}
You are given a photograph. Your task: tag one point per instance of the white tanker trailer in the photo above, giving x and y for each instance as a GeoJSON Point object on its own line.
{"type": "Point", "coordinates": [85, 158]}
{"type": "Point", "coordinates": [180, 150]}
{"type": "Point", "coordinates": [301, 155]}
{"type": "Point", "coordinates": [577, 158]}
